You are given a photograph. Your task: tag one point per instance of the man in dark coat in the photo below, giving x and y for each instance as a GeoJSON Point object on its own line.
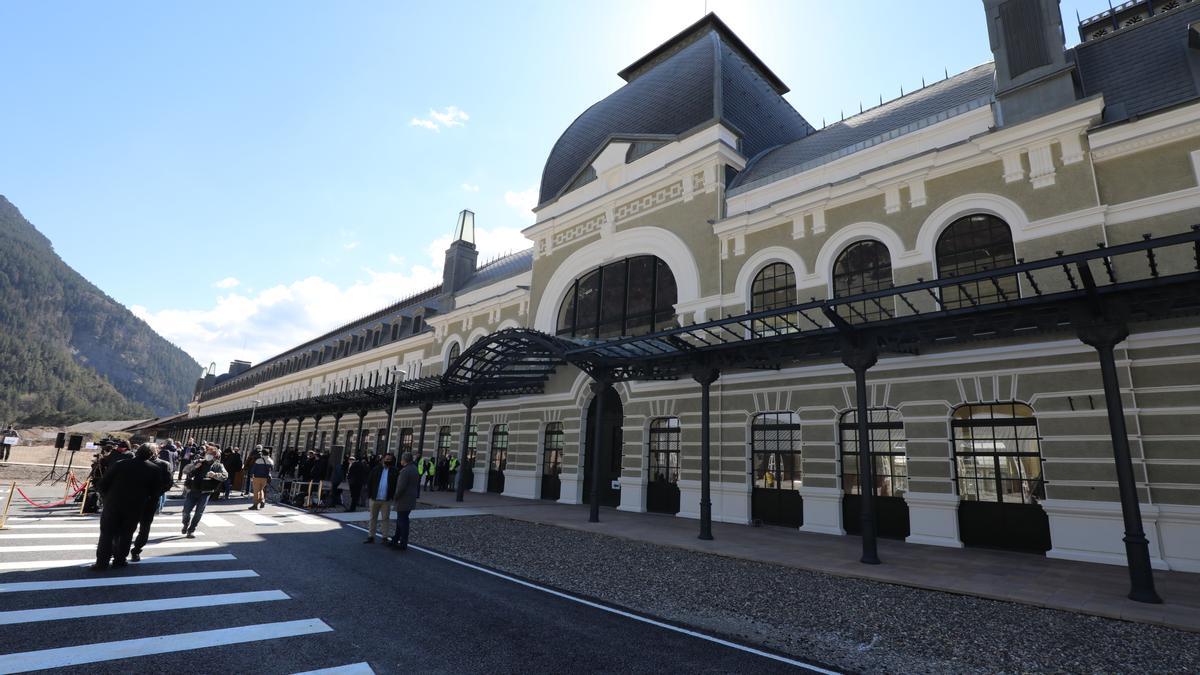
{"type": "Point", "coordinates": [381, 489]}
{"type": "Point", "coordinates": [151, 505]}
{"type": "Point", "coordinates": [126, 487]}
{"type": "Point", "coordinates": [356, 474]}
{"type": "Point", "coordinates": [408, 487]}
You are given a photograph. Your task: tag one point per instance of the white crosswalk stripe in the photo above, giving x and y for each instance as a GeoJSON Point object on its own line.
{"type": "Point", "coordinates": [148, 557]}
{"type": "Point", "coordinates": [259, 519]}
{"type": "Point", "coordinates": [155, 533]}
{"type": "Point", "coordinates": [350, 669]}
{"type": "Point", "coordinates": [171, 590]}
{"type": "Point", "coordinates": [162, 644]}
{"type": "Point", "coordinates": [85, 547]}
{"type": "Point", "coordinates": [100, 582]}
{"type": "Point", "coordinates": [213, 520]}
{"type": "Point", "coordinates": [136, 606]}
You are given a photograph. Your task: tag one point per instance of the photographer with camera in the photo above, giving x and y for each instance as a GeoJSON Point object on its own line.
{"type": "Point", "coordinates": [205, 477]}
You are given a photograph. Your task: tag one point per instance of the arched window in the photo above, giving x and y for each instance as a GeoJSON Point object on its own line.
{"type": "Point", "coordinates": [890, 467]}
{"type": "Point", "coordinates": [863, 267]}
{"type": "Point", "coordinates": [443, 442]}
{"type": "Point", "coordinates": [998, 453]}
{"type": "Point", "coordinates": [499, 451]}
{"type": "Point", "coordinates": [774, 287]}
{"type": "Point", "coordinates": [452, 355]}
{"type": "Point", "coordinates": [976, 243]}
{"type": "Point", "coordinates": [633, 296]}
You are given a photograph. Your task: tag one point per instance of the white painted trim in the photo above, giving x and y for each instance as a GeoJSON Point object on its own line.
{"type": "Point", "coordinates": [1145, 133]}
{"type": "Point", "coordinates": [1157, 205]}
{"type": "Point", "coordinates": [637, 241]}
{"type": "Point", "coordinates": [822, 271]}
{"type": "Point", "coordinates": [755, 263]}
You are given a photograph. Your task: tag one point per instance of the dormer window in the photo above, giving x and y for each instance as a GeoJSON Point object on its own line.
{"type": "Point", "coordinates": [588, 175]}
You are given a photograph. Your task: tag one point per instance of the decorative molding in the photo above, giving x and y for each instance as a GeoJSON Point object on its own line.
{"type": "Point", "coordinates": [1072, 149]}
{"type": "Point", "coordinates": [1041, 166]}
{"type": "Point", "coordinates": [891, 199]}
{"type": "Point", "coordinates": [916, 193]}
{"type": "Point", "coordinates": [1150, 207]}
{"type": "Point", "coordinates": [1145, 133]}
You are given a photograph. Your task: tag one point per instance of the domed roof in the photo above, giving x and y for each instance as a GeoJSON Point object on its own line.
{"type": "Point", "coordinates": [702, 75]}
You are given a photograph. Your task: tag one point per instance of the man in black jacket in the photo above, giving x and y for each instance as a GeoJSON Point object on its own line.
{"type": "Point", "coordinates": [356, 474]}
{"type": "Point", "coordinates": [381, 488]}
{"type": "Point", "coordinates": [204, 477]}
{"type": "Point", "coordinates": [151, 506]}
{"type": "Point", "coordinates": [126, 487]}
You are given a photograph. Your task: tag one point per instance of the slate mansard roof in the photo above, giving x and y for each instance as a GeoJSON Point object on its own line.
{"type": "Point", "coordinates": [935, 103]}
{"type": "Point", "coordinates": [702, 75]}
{"type": "Point", "coordinates": [1142, 68]}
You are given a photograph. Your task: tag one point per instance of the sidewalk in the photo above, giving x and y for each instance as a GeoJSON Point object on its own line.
{"type": "Point", "coordinates": [1087, 588]}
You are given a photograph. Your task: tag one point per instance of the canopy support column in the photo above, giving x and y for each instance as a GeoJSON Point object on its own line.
{"type": "Point", "coordinates": [705, 376]}
{"type": "Point", "coordinates": [425, 408]}
{"type": "Point", "coordinates": [1103, 330]}
{"type": "Point", "coordinates": [358, 434]}
{"type": "Point", "coordinates": [1104, 337]}
{"type": "Point", "coordinates": [338, 456]}
{"type": "Point", "coordinates": [859, 359]}
{"type": "Point", "coordinates": [460, 480]}
{"type": "Point", "coordinates": [600, 388]}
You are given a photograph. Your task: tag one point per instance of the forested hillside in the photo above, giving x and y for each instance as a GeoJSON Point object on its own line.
{"type": "Point", "coordinates": [68, 352]}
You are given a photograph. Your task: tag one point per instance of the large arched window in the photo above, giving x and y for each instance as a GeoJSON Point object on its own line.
{"type": "Point", "coordinates": [552, 451]}
{"type": "Point", "coordinates": [774, 287]}
{"type": "Point", "coordinates": [863, 267]}
{"type": "Point", "coordinates": [443, 441]}
{"type": "Point", "coordinates": [633, 296]}
{"type": "Point", "coordinates": [452, 355]}
{"type": "Point", "coordinates": [976, 243]}
{"type": "Point", "coordinates": [997, 453]}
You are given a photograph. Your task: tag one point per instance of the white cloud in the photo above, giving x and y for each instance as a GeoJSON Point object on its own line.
{"type": "Point", "coordinates": [258, 325]}
{"type": "Point", "coordinates": [523, 202]}
{"type": "Point", "coordinates": [449, 117]}
{"type": "Point", "coordinates": [227, 282]}
{"type": "Point", "coordinates": [350, 246]}
{"type": "Point", "coordinates": [395, 259]}
{"type": "Point", "coordinates": [470, 187]}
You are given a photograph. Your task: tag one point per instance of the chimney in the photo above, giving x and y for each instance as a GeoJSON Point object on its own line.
{"type": "Point", "coordinates": [1033, 75]}
{"type": "Point", "coordinates": [461, 256]}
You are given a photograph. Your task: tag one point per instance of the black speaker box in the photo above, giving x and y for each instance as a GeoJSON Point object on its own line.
{"type": "Point", "coordinates": [76, 443]}
{"type": "Point", "coordinates": [60, 441]}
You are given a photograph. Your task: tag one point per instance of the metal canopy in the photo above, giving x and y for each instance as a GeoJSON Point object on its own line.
{"type": "Point", "coordinates": [1055, 295]}
{"type": "Point", "coordinates": [1052, 295]}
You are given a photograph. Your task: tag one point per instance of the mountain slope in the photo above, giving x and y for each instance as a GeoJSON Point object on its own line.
{"type": "Point", "coordinates": [68, 352]}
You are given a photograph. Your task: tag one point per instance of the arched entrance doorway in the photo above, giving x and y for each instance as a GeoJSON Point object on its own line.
{"type": "Point", "coordinates": [609, 450]}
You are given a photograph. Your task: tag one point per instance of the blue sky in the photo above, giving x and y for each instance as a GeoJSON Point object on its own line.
{"type": "Point", "coordinates": [246, 175]}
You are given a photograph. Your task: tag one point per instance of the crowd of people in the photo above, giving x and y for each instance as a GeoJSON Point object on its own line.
{"type": "Point", "coordinates": [131, 487]}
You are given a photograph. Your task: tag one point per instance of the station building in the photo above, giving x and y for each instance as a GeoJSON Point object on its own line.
{"type": "Point", "coordinates": [696, 192]}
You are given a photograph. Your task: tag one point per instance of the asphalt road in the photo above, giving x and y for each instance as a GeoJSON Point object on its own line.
{"type": "Point", "coordinates": [303, 593]}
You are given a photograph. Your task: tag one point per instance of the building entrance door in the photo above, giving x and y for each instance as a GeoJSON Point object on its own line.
{"type": "Point", "coordinates": [609, 450]}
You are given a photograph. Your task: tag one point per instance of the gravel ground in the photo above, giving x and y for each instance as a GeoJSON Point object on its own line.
{"type": "Point", "coordinates": [851, 624]}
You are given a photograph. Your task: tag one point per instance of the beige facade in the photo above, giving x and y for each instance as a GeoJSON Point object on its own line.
{"type": "Point", "coordinates": [1063, 181]}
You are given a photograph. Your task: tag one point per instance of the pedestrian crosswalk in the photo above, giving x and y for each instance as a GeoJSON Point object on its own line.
{"type": "Point", "coordinates": [43, 584]}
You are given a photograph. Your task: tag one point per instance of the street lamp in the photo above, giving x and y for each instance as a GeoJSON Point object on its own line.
{"type": "Point", "coordinates": [256, 402]}
{"type": "Point", "coordinates": [396, 373]}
